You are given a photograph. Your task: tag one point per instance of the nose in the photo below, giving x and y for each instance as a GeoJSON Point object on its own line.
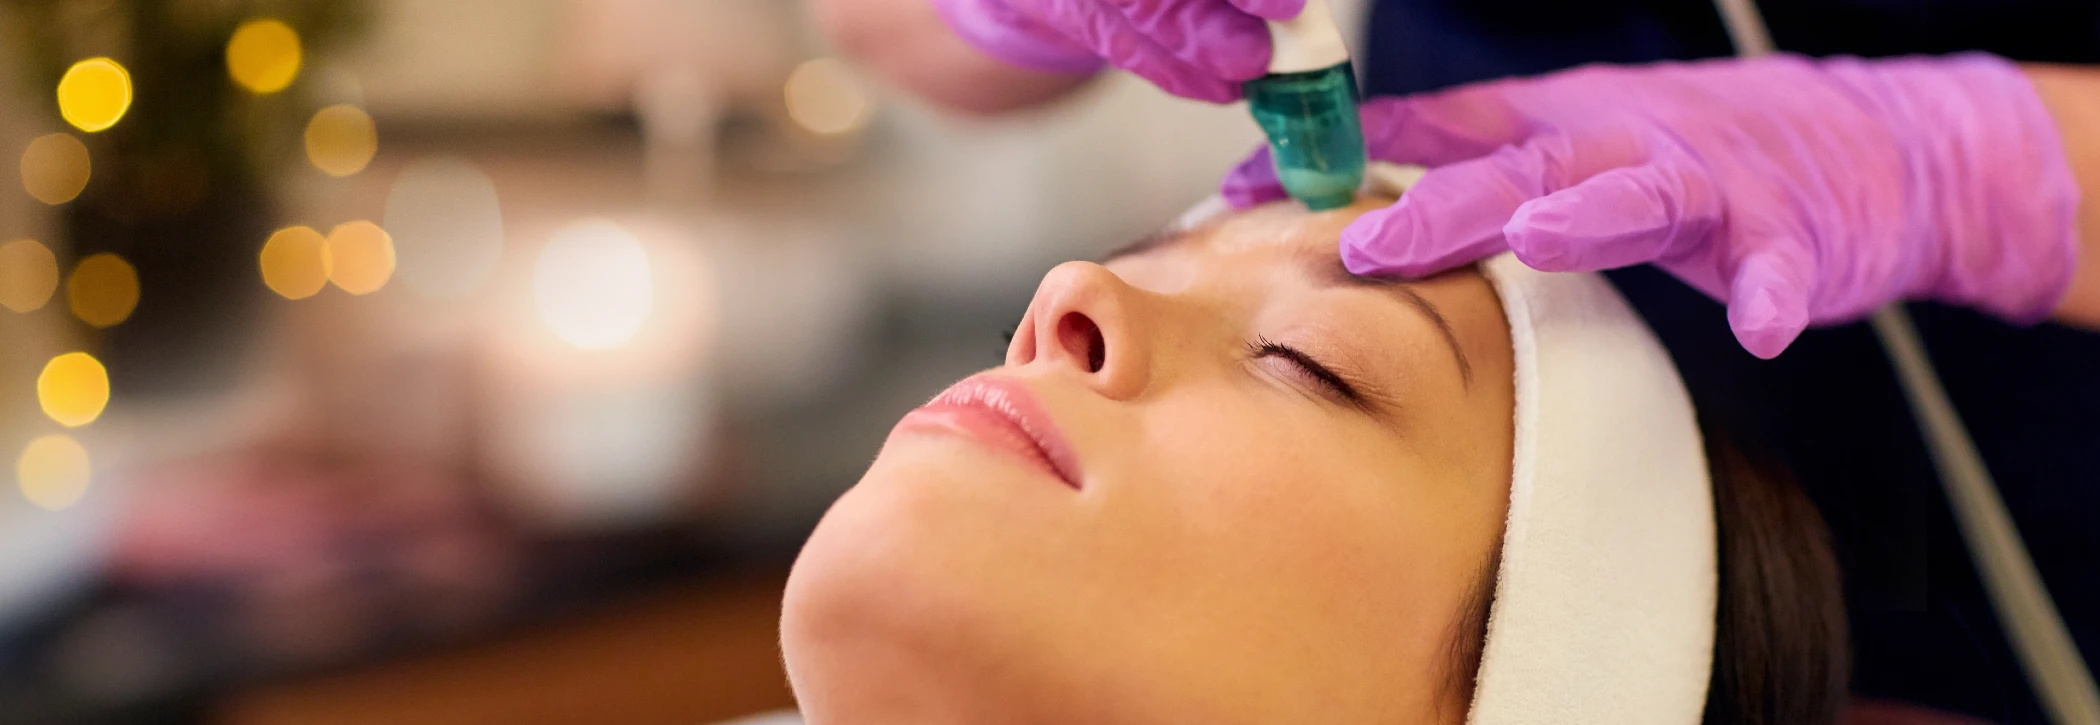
{"type": "Point", "coordinates": [1082, 320]}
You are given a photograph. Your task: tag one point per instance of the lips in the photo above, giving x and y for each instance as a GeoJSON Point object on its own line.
{"type": "Point", "coordinates": [1001, 414]}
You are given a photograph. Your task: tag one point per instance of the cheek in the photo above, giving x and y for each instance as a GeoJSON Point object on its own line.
{"type": "Point", "coordinates": [1270, 515]}
{"type": "Point", "coordinates": [1300, 500]}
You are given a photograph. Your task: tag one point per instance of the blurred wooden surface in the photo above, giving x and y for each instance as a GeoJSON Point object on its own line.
{"type": "Point", "coordinates": [687, 656]}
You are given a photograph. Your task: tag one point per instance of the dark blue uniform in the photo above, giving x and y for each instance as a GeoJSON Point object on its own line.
{"type": "Point", "coordinates": [1923, 630]}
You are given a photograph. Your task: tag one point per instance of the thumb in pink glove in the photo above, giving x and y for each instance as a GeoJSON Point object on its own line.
{"type": "Point", "coordinates": [1200, 49]}
{"type": "Point", "coordinates": [1796, 191]}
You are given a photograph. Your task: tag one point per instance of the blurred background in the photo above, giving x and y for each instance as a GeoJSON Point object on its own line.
{"type": "Point", "coordinates": [475, 361]}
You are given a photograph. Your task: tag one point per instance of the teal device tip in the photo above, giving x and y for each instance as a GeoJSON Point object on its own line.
{"type": "Point", "coordinates": [1315, 137]}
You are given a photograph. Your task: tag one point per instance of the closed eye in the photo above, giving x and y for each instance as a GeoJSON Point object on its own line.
{"type": "Point", "coordinates": [1320, 374]}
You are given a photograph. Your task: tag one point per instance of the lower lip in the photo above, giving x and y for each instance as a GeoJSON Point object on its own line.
{"type": "Point", "coordinates": [987, 428]}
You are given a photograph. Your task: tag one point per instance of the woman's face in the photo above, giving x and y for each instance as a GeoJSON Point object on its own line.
{"type": "Point", "coordinates": [1217, 480]}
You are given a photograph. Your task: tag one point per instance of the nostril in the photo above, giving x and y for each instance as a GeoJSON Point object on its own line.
{"type": "Point", "coordinates": [1082, 338]}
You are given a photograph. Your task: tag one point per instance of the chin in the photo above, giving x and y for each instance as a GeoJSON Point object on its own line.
{"type": "Point", "coordinates": [914, 585]}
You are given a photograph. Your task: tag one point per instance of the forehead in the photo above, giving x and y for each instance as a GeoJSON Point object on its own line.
{"type": "Point", "coordinates": [1280, 228]}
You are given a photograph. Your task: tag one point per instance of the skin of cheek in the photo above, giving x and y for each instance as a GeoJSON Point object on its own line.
{"type": "Point", "coordinates": [1315, 549]}
{"type": "Point", "coordinates": [1214, 560]}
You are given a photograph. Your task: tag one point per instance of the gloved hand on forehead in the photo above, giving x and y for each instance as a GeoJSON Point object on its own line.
{"type": "Point", "coordinates": [1200, 49]}
{"type": "Point", "coordinates": [1796, 191]}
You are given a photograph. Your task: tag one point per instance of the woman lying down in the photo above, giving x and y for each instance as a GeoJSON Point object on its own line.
{"type": "Point", "coordinates": [1220, 480]}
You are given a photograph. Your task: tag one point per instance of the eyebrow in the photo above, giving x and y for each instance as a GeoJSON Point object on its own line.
{"type": "Point", "coordinates": [1328, 269]}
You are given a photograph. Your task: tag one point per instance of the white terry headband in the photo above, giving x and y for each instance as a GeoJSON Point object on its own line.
{"type": "Point", "coordinates": [1604, 603]}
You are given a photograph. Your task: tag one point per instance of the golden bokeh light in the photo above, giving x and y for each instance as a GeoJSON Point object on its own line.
{"type": "Point", "coordinates": [73, 389]}
{"type": "Point", "coordinates": [263, 55]}
{"type": "Point", "coordinates": [103, 290]}
{"type": "Point", "coordinates": [295, 262]}
{"type": "Point", "coordinates": [28, 275]}
{"type": "Point", "coordinates": [94, 94]}
{"type": "Point", "coordinates": [826, 97]}
{"type": "Point", "coordinates": [360, 257]}
{"type": "Point", "coordinates": [55, 168]}
{"type": "Point", "coordinates": [53, 471]}
{"type": "Point", "coordinates": [341, 139]}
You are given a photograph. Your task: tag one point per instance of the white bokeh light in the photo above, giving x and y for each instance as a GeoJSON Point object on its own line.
{"type": "Point", "coordinates": [447, 226]}
{"type": "Point", "coordinates": [592, 285]}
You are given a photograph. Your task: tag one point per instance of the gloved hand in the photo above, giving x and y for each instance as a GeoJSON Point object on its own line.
{"type": "Point", "coordinates": [1201, 49]}
{"type": "Point", "coordinates": [1796, 191]}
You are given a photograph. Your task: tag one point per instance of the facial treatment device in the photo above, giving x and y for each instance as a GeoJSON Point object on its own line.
{"type": "Point", "coordinates": [1307, 106]}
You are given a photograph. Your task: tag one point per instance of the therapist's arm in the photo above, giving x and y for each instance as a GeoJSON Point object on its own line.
{"type": "Point", "coordinates": [906, 42]}
{"type": "Point", "coordinates": [2072, 94]}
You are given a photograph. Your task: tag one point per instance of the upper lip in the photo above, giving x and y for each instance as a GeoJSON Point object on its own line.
{"type": "Point", "coordinates": [1012, 400]}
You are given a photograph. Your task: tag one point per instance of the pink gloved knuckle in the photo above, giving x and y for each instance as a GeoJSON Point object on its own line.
{"type": "Point", "coordinates": [1395, 242]}
{"type": "Point", "coordinates": [1616, 219]}
{"type": "Point", "coordinates": [1209, 37]}
{"type": "Point", "coordinates": [1233, 45]}
{"type": "Point", "coordinates": [1371, 240]}
{"type": "Point", "coordinates": [1169, 73]}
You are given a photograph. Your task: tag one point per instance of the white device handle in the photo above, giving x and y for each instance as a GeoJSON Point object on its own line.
{"type": "Point", "coordinates": [1308, 42]}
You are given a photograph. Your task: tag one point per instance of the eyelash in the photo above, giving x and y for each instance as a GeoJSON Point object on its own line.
{"type": "Point", "coordinates": [1263, 347]}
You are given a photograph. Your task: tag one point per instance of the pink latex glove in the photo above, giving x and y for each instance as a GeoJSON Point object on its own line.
{"type": "Point", "coordinates": [1796, 191]}
{"type": "Point", "coordinates": [1201, 49]}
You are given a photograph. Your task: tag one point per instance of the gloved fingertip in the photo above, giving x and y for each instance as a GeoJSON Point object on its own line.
{"type": "Point", "coordinates": [1538, 235]}
{"type": "Point", "coordinates": [1380, 244]}
{"type": "Point", "coordinates": [1765, 318]}
{"type": "Point", "coordinates": [1766, 343]}
{"type": "Point", "coordinates": [1253, 183]}
{"type": "Point", "coordinates": [1236, 48]}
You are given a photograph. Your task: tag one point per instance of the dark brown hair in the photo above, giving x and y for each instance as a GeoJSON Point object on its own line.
{"type": "Point", "coordinates": [1781, 649]}
{"type": "Point", "coordinates": [1781, 656]}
